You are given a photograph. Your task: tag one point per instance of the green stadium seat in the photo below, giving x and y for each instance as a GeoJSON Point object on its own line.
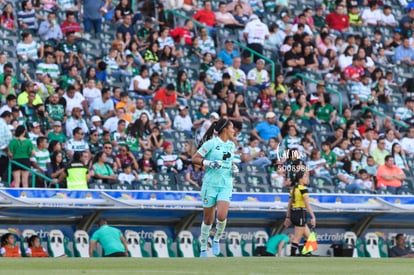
{"type": "Point", "coordinates": [136, 245]}
{"type": "Point", "coordinates": [81, 244]}
{"type": "Point", "coordinates": [57, 244]}
{"type": "Point", "coordinates": [256, 189]}
{"type": "Point", "coordinates": [99, 185]}
{"type": "Point", "coordinates": [351, 239]}
{"type": "Point", "coordinates": [259, 240]}
{"type": "Point", "coordinates": [144, 187]}
{"type": "Point", "coordinates": [122, 186]}
{"type": "Point", "coordinates": [372, 245]}
{"type": "Point", "coordinates": [161, 245]}
{"type": "Point", "coordinates": [235, 245]}
{"type": "Point", "coordinates": [186, 245]}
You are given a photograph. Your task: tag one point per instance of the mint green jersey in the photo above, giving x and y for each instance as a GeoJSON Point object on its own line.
{"type": "Point", "coordinates": [216, 149]}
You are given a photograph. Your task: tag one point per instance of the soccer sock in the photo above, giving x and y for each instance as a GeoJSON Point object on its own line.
{"type": "Point", "coordinates": [205, 233]}
{"type": "Point", "coordinates": [293, 248]}
{"type": "Point", "coordinates": [220, 226]}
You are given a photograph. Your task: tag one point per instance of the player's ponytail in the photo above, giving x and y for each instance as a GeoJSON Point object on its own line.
{"type": "Point", "coordinates": [215, 128]}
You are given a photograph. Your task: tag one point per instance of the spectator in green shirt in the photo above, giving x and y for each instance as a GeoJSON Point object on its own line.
{"type": "Point", "coordinates": [328, 155]}
{"type": "Point", "coordinates": [276, 244]}
{"type": "Point", "coordinates": [324, 110]}
{"type": "Point", "coordinates": [20, 150]}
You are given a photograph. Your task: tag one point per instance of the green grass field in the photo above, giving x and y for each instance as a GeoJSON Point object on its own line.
{"type": "Point", "coordinates": [225, 266]}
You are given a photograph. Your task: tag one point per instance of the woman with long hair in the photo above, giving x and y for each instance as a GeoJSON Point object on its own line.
{"type": "Point", "coordinates": [298, 208]}
{"type": "Point", "coordinates": [9, 247]}
{"type": "Point", "coordinates": [7, 88]}
{"type": "Point", "coordinates": [183, 87]}
{"type": "Point", "coordinates": [160, 116]}
{"type": "Point", "coordinates": [7, 17]}
{"type": "Point", "coordinates": [216, 153]}
{"type": "Point", "coordinates": [20, 150]}
{"type": "Point", "coordinates": [399, 156]}
{"type": "Point", "coordinates": [101, 169]}
{"type": "Point", "coordinates": [35, 249]}
{"type": "Point", "coordinates": [56, 167]}
{"type": "Point", "coordinates": [137, 133]}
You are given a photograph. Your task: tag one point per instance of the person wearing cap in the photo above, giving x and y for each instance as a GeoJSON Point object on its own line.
{"type": "Point", "coordinates": [224, 87]}
{"type": "Point", "coordinates": [167, 96]}
{"type": "Point", "coordinates": [258, 75]}
{"type": "Point", "coordinates": [182, 121]}
{"type": "Point", "coordinates": [56, 133]}
{"type": "Point", "coordinates": [237, 75]}
{"type": "Point", "coordinates": [255, 33]}
{"type": "Point", "coordinates": [225, 18]}
{"type": "Point", "coordinates": [354, 71]}
{"type": "Point", "coordinates": [228, 53]}
{"type": "Point", "coordinates": [267, 129]}
{"type": "Point", "coordinates": [206, 124]}
{"type": "Point", "coordinates": [284, 22]}
{"type": "Point", "coordinates": [168, 161]}
{"type": "Point", "coordinates": [263, 100]}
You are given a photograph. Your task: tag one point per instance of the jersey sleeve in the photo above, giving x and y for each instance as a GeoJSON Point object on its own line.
{"type": "Point", "coordinates": [206, 148]}
{"type": "Point", "coordinates": [304, 191]}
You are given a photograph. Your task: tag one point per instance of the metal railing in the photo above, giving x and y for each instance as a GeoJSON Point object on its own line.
{"type": "Point", "coordinates": [179, 14]}
{"type": "Point", "coordinates": [253, 52]}
{"type": "Point", "coordinates": [338, 93]}
{"type": "Point", "coordinates": [381, 114]}
{"type": "Point", "coordinates": [32, 172]}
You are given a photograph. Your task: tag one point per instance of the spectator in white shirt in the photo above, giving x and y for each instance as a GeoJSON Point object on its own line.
{"type": "Point", "coordinates": [388, 18]}
{"type": "Point", "coordinates": [255, 33]}
{"type": "Point", "coordinates": [372, 15]}
{"type": "Point", "coordinates": [407, 143]}
{"type": "Point", "coordinates": [182, 121]}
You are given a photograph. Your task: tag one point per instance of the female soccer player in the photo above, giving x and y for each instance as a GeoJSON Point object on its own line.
{"type": "Point", "coordinates": [216, 154]}
{"type": "Point", "coordinates": [297, 206]}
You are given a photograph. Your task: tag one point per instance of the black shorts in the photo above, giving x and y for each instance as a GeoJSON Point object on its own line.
{"type": "Point", "coordinates": [25, 161]}
{"type": "Point", "coordinates": [298, 217]}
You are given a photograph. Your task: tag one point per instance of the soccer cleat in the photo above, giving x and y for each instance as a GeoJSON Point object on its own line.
{"type": "Point", "coordinates": [216, 248]}
{"type": "Point", "coordinates": [204, 254]}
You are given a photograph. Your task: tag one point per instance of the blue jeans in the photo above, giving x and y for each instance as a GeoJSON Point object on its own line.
{"type": "Point", "coordinates": [396, 190]}
{"type": "Point", "coordinates": [353, 187]}
{"type": "Point", "coordinates": [95, 23]}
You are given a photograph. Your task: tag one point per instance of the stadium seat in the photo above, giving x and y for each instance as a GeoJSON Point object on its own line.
{"type": "Point", "coordinates": [81, 244]}
{"type": "Point", "coordinates": [135, 244]}
{"type": "Point", "coordinates": [255, 180]}
{"type": "Point", "coordinates": [256, 189]}
{"type": "Point", "coordinates": [186, 245]}
{"type": "Point", "coordinates": [411, 243]}
{"type": "Point", "coordinates": [391, 240]}
{"type": "Point", "coordinates": [122, 186]}
{"type": "Point", "coordinates": [372, 245]}
{"type": "Point", "coordinates": [166, 182]}
{"type": "Point", "coordinates": [259, 239]}
{"type": "Point", "coordinates": [98, 185]}
{"type": "Point", "coordinates": [26, 234]}
{"type": "Point", "coordinates": [161, 245]}
{"type": "Point", "coordinates": [351, 239]}
{"type": "Point", "coordinates": [57, 244]}
{"type": "Point", "coordinates": [235, 245]}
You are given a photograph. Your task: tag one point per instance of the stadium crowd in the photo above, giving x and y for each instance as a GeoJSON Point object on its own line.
{"type": "Point", "coordinates": [127, 89]}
